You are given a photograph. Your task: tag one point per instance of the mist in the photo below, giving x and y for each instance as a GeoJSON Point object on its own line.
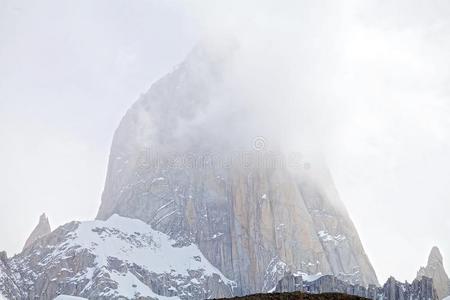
{"type": "Point", "coordinates": [366, 84]}
{"type": "Point", "coordinates": [363, 83]}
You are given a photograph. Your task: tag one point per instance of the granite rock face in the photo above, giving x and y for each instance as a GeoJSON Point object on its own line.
{"type": "Point", "coordinates": [9, 283]}
{"type": "Point", "coordinates": [435, 270]}
{"type": "Point", "coordinates": [172, 166]}
{"type": "Point", "coordinates": [119, 258]}
{"type": "Point", "coordinates": [419, 289]}
{"type": "Point", "coordinates": [42, 228]}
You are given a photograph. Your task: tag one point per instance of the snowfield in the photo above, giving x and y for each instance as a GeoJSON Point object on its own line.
{"type": "Point", "coordinates": [133, 241]}
{"type": "Point", "coordinates": [115, 259]}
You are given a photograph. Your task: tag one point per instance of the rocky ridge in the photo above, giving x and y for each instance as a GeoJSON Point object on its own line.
{"type": "Point", "coordinates": [419, 289]}
{"type": "Point", "coordinates": [435, 270]}
{"type": "Point", "coordinates": [114, 259]}
{"type": "Point", "coordinates": [42, 228]}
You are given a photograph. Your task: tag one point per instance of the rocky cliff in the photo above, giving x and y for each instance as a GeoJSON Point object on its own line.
{"type": "Point", "coordinates": [419, 289]}
{"type": "Point", "coordinates": [9, 283]}
{"type": "Point", "coordinates": [119, 258]}
{"type": "Point", "coordinates": [202, 177]}
{"type": "Point", "coordinates": [42, 228]}
{"type": "Point", "coordinates": [435, 270]}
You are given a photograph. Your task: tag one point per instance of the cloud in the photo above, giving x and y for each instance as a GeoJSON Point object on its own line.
{"type": "Point", "coordinates": [367, 84]}
{"type": "Point", "coordinates": [364, 82]}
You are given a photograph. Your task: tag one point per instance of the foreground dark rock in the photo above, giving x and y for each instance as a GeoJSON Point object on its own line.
{"type": "Point", "coordinates": [419, 289]}
{"type": "Point", "coordinates": [300, 296]}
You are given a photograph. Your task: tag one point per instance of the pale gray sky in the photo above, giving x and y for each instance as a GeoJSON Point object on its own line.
{"type": "Point", "coordinates": [70, 69]}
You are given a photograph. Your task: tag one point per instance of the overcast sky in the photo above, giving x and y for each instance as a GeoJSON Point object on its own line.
{"type": "Point", "coordinates": [70, 69]}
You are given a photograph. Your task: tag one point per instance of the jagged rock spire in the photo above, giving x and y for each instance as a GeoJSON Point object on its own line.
{"type": "Point", "coordinates": [43, 228]}
{"type": "Point", "coordinates": [435, 270]}
{"type": "Point", "coordinates": [435, 258]}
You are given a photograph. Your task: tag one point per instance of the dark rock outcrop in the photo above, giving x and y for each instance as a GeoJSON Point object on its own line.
{"type": "Point", "coordinates": [419, 289]}
{"type": "Point", "coordinates": [299, 296]}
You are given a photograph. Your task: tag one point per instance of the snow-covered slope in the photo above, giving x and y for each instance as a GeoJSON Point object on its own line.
{"type": "Point", "coordinates": [65, 297]}
{"type": "Point", "coordinates": [119, 257]}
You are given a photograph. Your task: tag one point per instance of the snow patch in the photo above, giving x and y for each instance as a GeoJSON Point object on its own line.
{"type": "Point", "coordinates": [121, 241]}
{"type": "Point", "coordinates": [158, 179]}
{"type": "Point", "coordinates": [326, 237]}
{"type": "Point", "coordinates": [66, 297]}
{"type": "Point", "coordinates": [308, 277]}
{"type": "Point", "coordinates": [130, 287]}
{"type": "Point", "coordinates": [133, 241]}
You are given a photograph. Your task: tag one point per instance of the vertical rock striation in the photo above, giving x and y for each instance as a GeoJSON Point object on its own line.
{"type": "Point", "coordinates": [174, 166]}
{"type": "Point", "coordinates": [419, 289]}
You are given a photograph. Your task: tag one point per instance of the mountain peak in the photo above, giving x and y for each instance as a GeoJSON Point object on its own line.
{"type": "Point", "coordinates": [42, 228]}
{"type": "Point", "coordinates": [435, 270]}
{"type": "Point", "coordinates": [296, 214]}
{"type": "Point", "coordinates": [43, 218]}
{"type": "Point", "coordinates": [435, 256]}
